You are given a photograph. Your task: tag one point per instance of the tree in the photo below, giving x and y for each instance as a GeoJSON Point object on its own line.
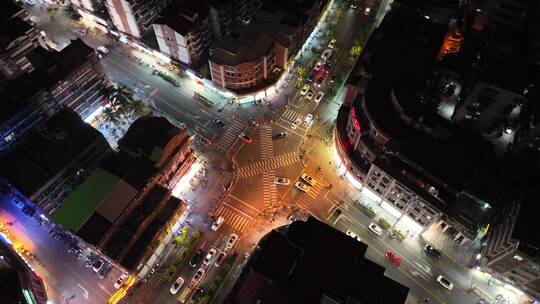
{"type": "Point", "coordinates": [196, 234]}
{"type": "Point", "coordinates": [181, 240]}
{"type": "Point", "coordinates": [302, 73]}
{"type": "Point", "coordinates": [110, 116]}
{"type": "Point", "coordinates": [137, 108]}
{"type": "Point", "coordinates": [355, 51]}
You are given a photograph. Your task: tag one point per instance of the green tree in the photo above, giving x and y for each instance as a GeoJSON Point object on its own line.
{"type": "Point", "coordinates": [138, 108]}
{"type": "Point", "coordinates": [355, 51]}
{"type": "Point", "coordinates": [302, 73]}
{"type": "Point", "coordinates": [196, 234]}
{"type": "Point", "coordinates": [110, 116]}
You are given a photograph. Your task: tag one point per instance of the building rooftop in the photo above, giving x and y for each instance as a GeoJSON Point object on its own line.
{"type": "Point", "coordinates": [47, 151]}
{"type": "Point", "coordinates": [51, 67]}
{"type": "Point", "coordinates": [239, 47]}
{"type": "Point", "coordinates": [12, 29]}
{"type": "Point", "coordinates": [8, 10]}
{"type": "Point", "coordinates": [184, 17]}
{"type": "Point", "coordinates": [292, 265]}
{"type": "Point", "coordinates": [148, 137]}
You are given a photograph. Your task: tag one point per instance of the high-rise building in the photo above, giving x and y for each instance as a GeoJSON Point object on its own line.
{"type": "Point", "coordinates": [18, 36]}
{"type": "Point", "coordinates": [53, 159]}
{"type": "Point", "coordinates": [70, 78]}
{"type": "Point", "coordinates": [183, 33]}
{"type": "Point", "coordinates": [133, 18]}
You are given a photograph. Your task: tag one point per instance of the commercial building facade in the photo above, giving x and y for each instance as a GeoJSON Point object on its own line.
{"type": "Point", "coordinates": [18, 36]}
{"type": "Point", "coordinates": [414, 165]}
{"type": "Point", "coordinates": [184, 33]}
{"type": "Point", "coordinates": [134, 18]}
{"type": "Point", "coordinates": [70, 78]}
{"type": "Point", "coordinates": [259, 49]}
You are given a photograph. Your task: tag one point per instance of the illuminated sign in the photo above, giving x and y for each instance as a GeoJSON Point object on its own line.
{"type": "Point", "coordinates": [357, 126]}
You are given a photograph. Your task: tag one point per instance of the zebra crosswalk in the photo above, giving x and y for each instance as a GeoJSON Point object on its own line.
{"type": "Point", "coordinates": [265, 165]}
{"type": "Point", "coordinates": [313, 191]}
{"type": "Point", "coordinates": [232, 218]}
{"type": "Point", "coordinates": [228, 138]}
{"type": "Point", "coordinates": [267, 146]}
{"type": "Point", "coordinates": [269, 189]}
{"type": "Point", "coordinates": [291, 115]}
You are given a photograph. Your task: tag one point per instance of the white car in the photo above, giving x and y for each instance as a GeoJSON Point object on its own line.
{"type": "Point", "coordinates": [282, 181]}
{"type": "Point", "coordinates": [98, 265]}
{"type": "Point", "coordinates": [445, 283]}
{"type": "Point", "coordinates": [296, 123]}
{"type": "Point", "coordinates": [176, 285]}
{"type": "Point", "coordinates": [121, 280]}
{"type": "Point", "coordinates": [304, 90]}
{"type": "Point", "coordinates": [308, 179]}
{"type": "Point", "coordinates": [217, 223]}
{"type": "Point", "coordinates": [353, 235]}
{"type": "Point", "coordinates": [231, 241]}
{"type": "Point", "coordinates": [197, 277]}
{"type": "Point", "coordinates": [317, 66]}
{"type": "Point", "coordinates": [211, 253]}
{"type": "Point", "coordinates": [332, 44]}
{"type": "Point", "coordinates": [301, 186]}
{"type": "Point", "coordinates": [319, 97]}
{"type": "Point", "coordinates": [309, 95]}
{"type": "Point", "coordinates": [375, 229]}
{"type": "Point", "coordinates": [308, 120]}
{"type": "Point", "coordinates": [326, 55]}
{"type": "Point", "coordinates": [30, 2]}
{"type": "Point", "coordinates": [102, 49]}
{"type": "Point", "coordinates": [367, 11]}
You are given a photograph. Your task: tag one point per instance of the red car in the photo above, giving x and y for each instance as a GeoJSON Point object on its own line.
{"type": "Point", "coordinates": [394, 258]}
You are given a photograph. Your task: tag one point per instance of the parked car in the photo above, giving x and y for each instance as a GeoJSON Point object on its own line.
{"type": "Point", "coordinates": [221, 256]}
{"type": "Point", "coordinates": [296, 123]}
{"type": "Point", "coordinates": [326, 55]}
{"type": "Point", "coordinates": [176, 285]}
{"type": "Point", "coordinates": [308, 120]}
{"type": "Point", "coordinates": [367, 11]}
{"type": "Point", "coordinates": [282, 181]}
{"type": "Point", "coordinates": [231, 241]}
{"type": "Point", "coordinates": [301, 186]}
{"type": "Point", "coordinates": [103, 49]}
{"type": "Point", "coordinates": [121, 280]}
{"type": "Point", "coordinates": [319, 97]}
{"type": "Point", "coordinates": [304, 90]}
{"type": "Point", "coordinates": [97, 265]}
{"type": "Point", "coordinates": [394, 258]}
{"type": "Point", "coordinates": [245, 138]}
{"type": "Point", "coordinates": [280, 135]}
{"type": "Point", "coordinates": [217, 223]}
{"type": "Point", "coordinates": [332, 44]}
{"type": "Point", "coordinates": [197, 258]}
{"type": "Point", "coordinates": [317, 66]}
{"type": "Point", "coordinates": [211, 253]}
{"type": "Point", "coordinates": [197, 278]}
{"type": "Point", "coordinates": [445, 283]}
{"type": "Point", "coordinates": [432, 251]}
{"type": "Point", "coordinates": [308, 179]}
{"type": "Point", "coordinates": [375, 229]}
{"type": "Point", "coordinates": [353, 235]}
{"type": "Point", "coordinates": [309, 95]}
{"type": "Point", "coordinates": [219, 123]}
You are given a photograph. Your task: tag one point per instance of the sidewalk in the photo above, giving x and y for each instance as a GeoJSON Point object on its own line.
{"type": "Point", "coordinates": [461, 254]}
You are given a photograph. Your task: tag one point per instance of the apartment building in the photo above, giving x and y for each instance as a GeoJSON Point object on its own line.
{"type": "Point", "coordinates": [70, 78]}
{"type": "Point", "coordinates": [53, 158]}
{"type": "Point", "coordinates": [134, 18]}
{"type": "Point", "coordinates": [18, 36]}
{"type": "Point", "coordinates": [511, 252]}
{"type": "Point", "coordinates": [392, 144]}
{"type": "Point", "coordinates": [259, 50]}
{"type": "Point", "coordinates": [184, 32]}
{"type": "Point", "coordinates": [226, 14]}
{"type": "Point", "coordinates": [93, 12]}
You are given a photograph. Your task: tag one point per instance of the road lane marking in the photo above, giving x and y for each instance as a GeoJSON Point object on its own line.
{"type": "Point", "coordinates": [85, 292]}
{"type": "Point", "coordinates": [244, 202]}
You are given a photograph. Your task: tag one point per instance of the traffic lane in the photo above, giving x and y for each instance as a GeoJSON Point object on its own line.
{"type": "Point", "coordinates": [443, 266]}
{"type": "Point", "coordinates": [413, 260]}
{"type": "Point", "coordinates": [186, 102]}
{"type": "Point", "coordinates": [48, 250]}
{"type": "Point", "coordinates": [378, 248]}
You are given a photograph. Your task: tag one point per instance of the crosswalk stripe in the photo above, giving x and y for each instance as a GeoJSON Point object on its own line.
{"type": "Point", "coordinates": [267, 164]}
{"type": "Point", "coordinates": [232, 218]}
{"type": "Point", "coordinates": [230, 135]}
